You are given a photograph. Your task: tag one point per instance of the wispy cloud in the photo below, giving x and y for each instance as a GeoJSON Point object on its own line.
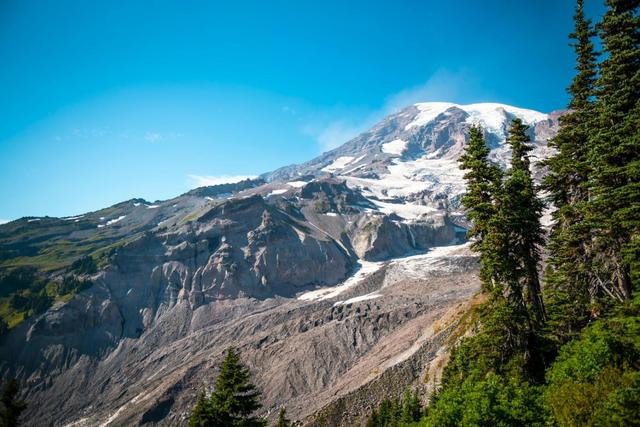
{"type": "Point", "coordinates": [443, 85]}
{"type": "Point", "coordinates": [336, 133]}
{"type": "Point", "coordinates": [205, 180]}
{"type": "Point", "coordinates": [459, 86]}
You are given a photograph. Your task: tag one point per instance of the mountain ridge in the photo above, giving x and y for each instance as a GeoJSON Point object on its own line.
{"type": "Point", "coordinates": [359, 228]}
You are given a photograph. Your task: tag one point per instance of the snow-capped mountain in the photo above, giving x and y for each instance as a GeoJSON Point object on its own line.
{"type": "Point", "coordinates": [339, 280]}
{"type": "Point", "coordinates": [407, 163]}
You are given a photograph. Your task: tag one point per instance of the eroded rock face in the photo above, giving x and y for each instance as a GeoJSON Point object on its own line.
{"type": "Point", "coordinates": [246, 265]}
{"type": "Point", "coordinates": [304, 353]}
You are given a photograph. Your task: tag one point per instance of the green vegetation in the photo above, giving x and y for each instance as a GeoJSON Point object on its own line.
{"type": "Point", "coordinates": [233, 400]}
{"type": "Point", "coordinates": [568, 354]}
{"type": "Point", "coordinates": [25, 292]}
{"type": "Point", "coordinates": [10, 406]}
{"type": "Point", "coordinates": [393, 413]}
{"type": "Point", "coordinates": [282, 419]}
{"type": "Point", "coordinates": [84, 265]}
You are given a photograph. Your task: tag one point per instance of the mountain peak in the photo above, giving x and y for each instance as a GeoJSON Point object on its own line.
{"type": "Point", "coordinates": [490, 115]}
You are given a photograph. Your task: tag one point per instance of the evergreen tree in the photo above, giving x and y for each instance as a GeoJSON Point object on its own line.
{"type": "Point", "coordinates": [374, 419]}
{"type": "Point", "coordinates": [519, 215]}
{"type": "Point", "coordinates": [483, 182]}
{"type": "Point", "coordinates": [411, 407]}
{"type": "Point", "coordinates": [201, 415]}
{"type": "Point", "coordinates": [282, 419]}
{"type": "Point", "coordinates": [233, 400]}
{"type": "Point", "coordinates": [614, 207]}
{"type": "Point", "coordinates": [12, 407]}
{"type": "Point", "coordinates": [567, 276]}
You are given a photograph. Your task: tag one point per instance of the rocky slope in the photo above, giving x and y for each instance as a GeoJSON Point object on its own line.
{"type": "Point", "coordinates": [328, 276]}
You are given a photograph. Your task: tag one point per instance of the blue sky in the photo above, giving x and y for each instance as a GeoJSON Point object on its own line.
{"type": "Point", "coordinates": [103, 101]}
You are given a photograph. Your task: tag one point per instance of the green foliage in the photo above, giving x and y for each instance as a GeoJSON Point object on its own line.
{"type": "Point", "coordinates": [393, 413]}
{"type": "Point", "coordinates": [494, 400]}
{"type": "Point", "coordinates": [595, 379]}
{"type": "Point", "coordinates": [519, 215]}
{"type": "Point", "coordinates": [18, 279]}
{"type": "Point", "coordinates": [84, 265]}
{"type": "Point", "coordinates": [567, 277]}
{"type": "Point", "coordinates": [72, 285]}
{"type": "Point", "coordinates": [26, 293]}
{"type": "Point", "coordinates": [233, 400]}
{"type": "Point", "coordinates": [282, 419]}
{"type": "Point", "coordinates": [501, 345]}
{"type": "Point", "coordinates": [32, 303]}
{"type": "Point", "coordinates": [483, 183]}
{"type": "Point", "coordinates": [10, 406]}
{"type": "Point", "coordinates": [613, 209]}
{"type": "Point", "coordinates": [586, 341]}
{"type": "Point", "coordinates": [411, 407]}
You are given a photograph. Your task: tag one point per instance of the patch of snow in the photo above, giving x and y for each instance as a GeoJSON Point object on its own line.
{"type": "Point", "coordinates": [397, 146]}
{"type": "Point", "coordinates": [33, 220]}
{"type": "Point", "coordinates": [100, 225]}
{"type": "Point", "coordinates": [354, 169]}
{"type": "Point", "coordinates": [358, 159]}
{"type": "Point", "coordinates": [338, 164]}
{"type": "Point", "coordinates": [428, 112]}
{"type": "Point", "coordinates": [297, 184]}
{"type": "Point", "coordinates": [372, 295]}
{"type": "Point", "coordinates": [412, 177]}
{"type": "Point", "coordinates": [153, 206]}
{"type": "Point", "coordinates": [277, 192]}
{"type": "Point", "coordinates": [136, 204]}
{"type": "Point", "coordinates": [70, 218]}
{"type": "Point", "coordinates": [492, 116]}
{"type": "Point", "coordinates": [209, 198]}
{"type": "Point", "coordinates": [366, 269]}
{"type": "Point", "coordinates": [437, 259]}
{"type": "Point", "coordinates": [409, 211]}
{"type": "Point", "coordinates": [113, 221]}
{"type": "Point", "coordinates": [331, 214]}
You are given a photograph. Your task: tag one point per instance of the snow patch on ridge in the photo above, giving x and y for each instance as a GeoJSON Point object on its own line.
{"type": "Point", "coordinates": [366, 297]}
{"type": "Point", "coordinates": [428, 112]}
{"type": "Point", "coordinates": [277, 192]}
{"type": "Point", "coordinates": [338, 164]}
{"type": "Point", "coordinates": [397, 146]}
{"type": "Point", "coordinates": [488, 114]}
{"type": "Point", "coordinates": [366, 269]}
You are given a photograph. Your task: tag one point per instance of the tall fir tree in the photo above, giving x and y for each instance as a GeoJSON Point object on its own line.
{"type": "Point", "coordinates": [233, 400]}
{"type": "Point", "coordinates": [567, 293]}
{"type": "Point", "coordinates": [483, 181]}
{"type": "Point", "coordinates": [519, 215]}
{"type": "Point", "coordinates": [614, 206]}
